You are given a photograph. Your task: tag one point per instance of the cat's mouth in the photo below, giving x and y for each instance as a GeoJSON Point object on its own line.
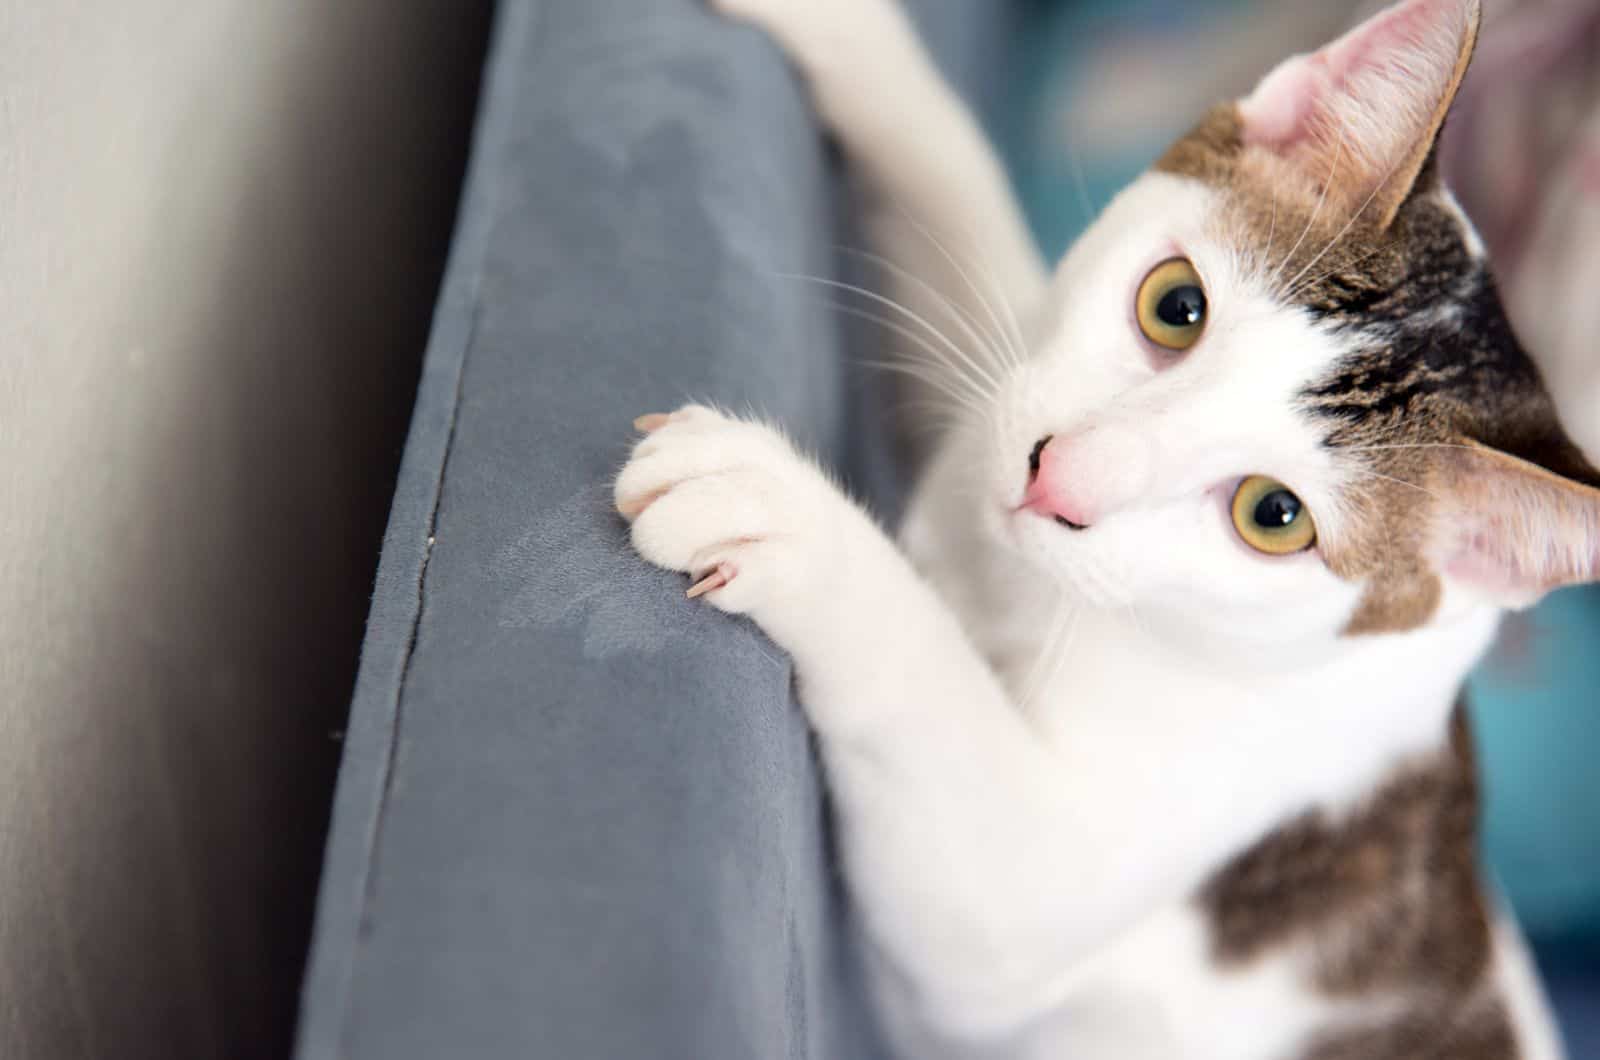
{"type": "Point", "coordinates": [1060, 520]}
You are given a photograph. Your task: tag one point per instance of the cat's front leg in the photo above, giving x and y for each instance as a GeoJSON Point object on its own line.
{"type": "Point", "coordinates": [939, 200]}
{"type": "Point", "coordinates": [960, 829]}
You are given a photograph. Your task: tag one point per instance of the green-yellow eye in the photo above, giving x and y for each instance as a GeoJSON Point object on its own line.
{"type": "Point", "coordinates": [1171, 306]}
{"type": "Point", "coordinates": [1271, 518]}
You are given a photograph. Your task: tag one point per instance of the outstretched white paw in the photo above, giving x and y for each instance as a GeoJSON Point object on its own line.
{"type": "Point", "coordinates": [730, 503]}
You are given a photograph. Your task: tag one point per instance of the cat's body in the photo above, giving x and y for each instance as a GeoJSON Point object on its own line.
{"type": "Point", "coordinates": [1112, 782]}
{"type": "Point", "coordinates": [1331, 912]}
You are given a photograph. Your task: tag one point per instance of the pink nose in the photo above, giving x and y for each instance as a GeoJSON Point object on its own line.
{"type": "Point", "coordinates": [1049, 490]}
{"type": "Point", "coordinates": [1081, 479]}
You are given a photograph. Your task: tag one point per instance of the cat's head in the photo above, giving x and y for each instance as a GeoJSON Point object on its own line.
{"type": "Point", "coordinates": [1275, 392]}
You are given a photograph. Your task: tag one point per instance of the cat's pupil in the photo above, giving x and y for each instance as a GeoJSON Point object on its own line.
{"type": "Point", "coordinates": [1182, 307]}
{"type": "Point", "coordinates": [1276, 510]}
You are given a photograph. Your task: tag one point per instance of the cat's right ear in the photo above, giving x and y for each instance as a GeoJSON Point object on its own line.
{"type": "Point", "coordinates": [1359, 117]}
{"type": "Point", "coordinates": [1509, 529]}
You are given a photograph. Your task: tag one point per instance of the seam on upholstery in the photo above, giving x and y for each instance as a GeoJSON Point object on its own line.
{"type": "Point", "coordinates": [374, 837]}
{"type": "Point", "coordinates": [489, 201]}
{"type": "Point", "coordinates": [490, 196]}
{"type": "Point", "coordinates": [362, 793]}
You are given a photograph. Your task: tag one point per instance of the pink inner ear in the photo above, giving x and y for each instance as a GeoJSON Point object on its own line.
{"type": "Point", "coordinates": [1409, 49]}
{"type": "Point", "coordinates": [1519, 580]}
{"type": "Point", "coordinates": [1278, 112]}
{"type": "Point", "coordinates": [1493, 570]}
{"type": "Point", "coordinates": [1512, 529]}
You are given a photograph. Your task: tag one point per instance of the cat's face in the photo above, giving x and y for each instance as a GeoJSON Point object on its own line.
{"type": "Point", "coordinates": [1148, 445]}
{"type": "Point", "coordinates": [1276, 398]}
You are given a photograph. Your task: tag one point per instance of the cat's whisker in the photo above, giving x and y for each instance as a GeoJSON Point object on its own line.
{"type": "Point", "coordinates": [1051, 652]}
{"type": "Point", "coordinates": [933, 368]}
{"type": "Point", "coordinates": [1307, 284]}
{"type": "Point", "coordinates": [1030, 682]}
{"type": "Point", "coordinates": [935, 333]}
{"type": "Point", "coordinates": [1056, 654]}
{"type": "Point", "coordinates": [921, 344]}
{"type": "Point", "coordinates": [1014, 341]}
{"type": "Point", "coordinates": [926, 420]}
{"type": "Point", "coordinates": [1137, 619]}
{"type": "Point", "coordinates": [1327, 185]}
{"type": "Point", "coordinates": [973, 329]}
{"type": "Point", "coordinates": [1272, 223]}
{"type": "Point", "coordinates": [1082, 186]}
{"type": "Point", "coordinates": [944, 411]}
{"type": "Point", "coordinates": [926, 374]}
{"type": "Point", "coordinates": [962, 362]}
{"type": "Point", "coordinates": [1108, 590]}
{"type": "Point", "coordinates": [1342, 232]}
{"type": "Point", "coordinates": [1407, 445]}
{"type": "Point", "coordinates": [961, 400]}
{"type": "Point", "coordinates": [1399, 482]}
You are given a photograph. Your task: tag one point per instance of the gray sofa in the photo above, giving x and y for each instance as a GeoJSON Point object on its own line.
{"type": "Point", "coordinates": [577, 815]}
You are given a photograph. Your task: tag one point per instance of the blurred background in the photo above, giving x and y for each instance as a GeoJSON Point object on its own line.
{"type": "Point", "coordinates": [222, 226]}
{"type": "Point", "coordinates": [221, 230]}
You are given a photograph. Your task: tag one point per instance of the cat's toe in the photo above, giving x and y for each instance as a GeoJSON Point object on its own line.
{"type": "Point", "coordinates": [685, 525]}
{"type": "Point", "coordinates": [720, 499]}
{"type": "Point", "coordinates": [651, 422]}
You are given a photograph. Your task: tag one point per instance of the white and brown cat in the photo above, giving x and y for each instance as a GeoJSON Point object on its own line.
{"type": "Point", "coordinates": [1144, 739]}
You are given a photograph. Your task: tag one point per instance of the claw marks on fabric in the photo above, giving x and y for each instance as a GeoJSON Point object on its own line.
{"type": "Point", "coordinates": [572, 567]}
{"type": "Point", "coordinates": [1388, 903]}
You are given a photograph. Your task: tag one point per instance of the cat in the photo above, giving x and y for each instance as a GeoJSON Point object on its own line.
{"type": "Point", "coordinates": [1145, 739]}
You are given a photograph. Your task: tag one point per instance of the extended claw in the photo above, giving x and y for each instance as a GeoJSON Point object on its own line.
{"type": "Point", "coordinates": [650, 422]}
{"type": "Point", "coordinates": [713, 581]}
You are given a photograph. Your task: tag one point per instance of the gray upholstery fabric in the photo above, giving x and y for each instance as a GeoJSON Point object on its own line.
{"type": "Point", "coordinates": [579, 816]}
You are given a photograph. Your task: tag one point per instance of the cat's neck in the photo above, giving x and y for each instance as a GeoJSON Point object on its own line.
{"type": "Point", "coordinates": [1345, 719]}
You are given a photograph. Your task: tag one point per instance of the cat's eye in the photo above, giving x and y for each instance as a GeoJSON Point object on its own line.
{"type": "Point", "coordinates": [1271, 518]}
{"type": "Point", "coordinates": [1171, 305]}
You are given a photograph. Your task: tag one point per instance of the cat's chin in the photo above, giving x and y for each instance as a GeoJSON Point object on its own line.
{"type": "Point", "coordinates": [1021, 534]}
{"type": "Point", "coordinates": [1052, 569]}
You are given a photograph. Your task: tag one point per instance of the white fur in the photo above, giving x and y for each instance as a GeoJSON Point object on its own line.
{"type": "Point", "coordinates": [1040, 743]}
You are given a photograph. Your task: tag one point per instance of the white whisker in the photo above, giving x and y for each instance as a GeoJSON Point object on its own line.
{"type": "Point", "coordinates": [1407, 445]}
{"type": "Point", "coordinates": [890, 303]}
{"type": "Point", "coordinates": [1014, 342]}
{"type": "Point", "coordinates": [1400, 482]}
{"type": "Point", "coordinates": [1047, 663]}
{"type": "Point", "coordinates": [970, 327]}
{"type": "Point", "coordinates": [1347, 225]}
{"type": "Point", "coordinates": [1315, 213]}
{"type": "Point", "coordinates": [1307, 284]}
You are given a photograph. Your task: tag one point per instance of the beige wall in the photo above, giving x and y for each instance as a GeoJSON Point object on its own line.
{"type": "Point", "coordinates": [220, 228]}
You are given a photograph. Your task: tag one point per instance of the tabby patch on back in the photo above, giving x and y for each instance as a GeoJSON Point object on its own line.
{"type": "Point", "coordinates": [1388, 901]}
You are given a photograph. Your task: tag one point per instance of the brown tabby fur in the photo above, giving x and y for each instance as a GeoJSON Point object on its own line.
{"type": "Point", "coordinates": [1388, 900]}
{"type": "Point", "coordinates": [1434, 361]}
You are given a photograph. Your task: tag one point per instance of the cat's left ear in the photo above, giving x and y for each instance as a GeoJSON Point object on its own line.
{"type": "Point", "coordinates": [1510, 529]}
{"type": "Point", "coordinates": [1361, 115]}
